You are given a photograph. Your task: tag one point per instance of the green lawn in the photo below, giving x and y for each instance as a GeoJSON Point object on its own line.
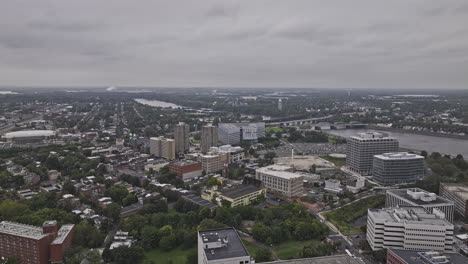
{"type": "Point", "coordinates": [273, 130]}
{"type": "Point", "coordinates": [175, 256]}
{"type": "Point", "coordinates": [251, 247]}
{"type": "Point", "coordinates": [337, 161]}
{"type": "Point", "coordinates": [291, 249]}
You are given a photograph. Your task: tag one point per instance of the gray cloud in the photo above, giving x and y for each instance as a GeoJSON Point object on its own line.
{"type": "Point", "coordinates": [260, 43]}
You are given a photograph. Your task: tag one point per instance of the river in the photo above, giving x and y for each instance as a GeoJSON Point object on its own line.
{"type": "Point", "coordinates": [157, 103]}
{"type": "Point", "coordinates": [442, 145]}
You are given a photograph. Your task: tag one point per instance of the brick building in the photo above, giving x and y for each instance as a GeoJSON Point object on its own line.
{"type": "Point", "coordinates": [186, 169]}
{"type": "Point", "coordinates": [35, 245]}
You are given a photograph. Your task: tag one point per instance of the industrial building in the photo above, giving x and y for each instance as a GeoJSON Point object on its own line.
{"type": "Point", "coordinates": [233, 133]}
{"type": "Point", "coordinates": [222, 246]}
{"type": "Point", "coordinates": [35, 245]}
{"type": "Point", "coordinates": [186, 169]}
{"type": "Point", "coordinates": [456, 193]}
{"type": "Point", "coordinates": [280, 179]}
{"type": "Point", "coordinates": [360, 150]}
{"type": "Point", "coordinates": [162, 147]}
{"type": "Point", "coordinates": [411, 228]}
{"type": "Point", "coordinates": [209, 138]}
{"type": "Point", "coordinates": [419, 197]}
{"type": "Point", "coordinates": [397, 168]}
{"type": "Point", "coordinates": [181, 137]}
{"type": "Point", "coordinates": [28, 136]}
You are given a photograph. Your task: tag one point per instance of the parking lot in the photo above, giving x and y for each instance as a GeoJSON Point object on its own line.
{"type": "Point", "coordinates": [284, 150]}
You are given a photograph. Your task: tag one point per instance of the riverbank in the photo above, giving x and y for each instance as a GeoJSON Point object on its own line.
{"type": "Point", "coordinates": [417, 132]}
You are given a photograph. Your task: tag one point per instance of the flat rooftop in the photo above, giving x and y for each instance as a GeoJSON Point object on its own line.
{"type": "Point", "coordinates": [414, 257]}
{"type": "Point", "coordinates": [239, 191]}
{"type": "Point", "coordinates": [459, 189]}
{"type": "Point", "coordinates": [184, 162]}
{"type": "Point", "coordinates": [63, 233]}
{"type": "Point", "coordinates": [279, 171]}
{"type": "Point", "coordinates": [200, 201]}
{"type": "Point", "coordinates": [408, 214]}
{"type": "Point", "coordinates": [398, 156]}
{"type": "Point", "coordinates": [337, 259]}
{"type": "Point", "coordinates": [403, 194]}
{"type": "Point", "coordinates": [21, 230]}
{"type": "Point", "coordinates": [234, 249]}
{"type": "Point", "coordinates": [372, 135]}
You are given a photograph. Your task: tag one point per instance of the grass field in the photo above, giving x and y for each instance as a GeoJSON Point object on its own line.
{"type": "Point", "coordinates": [175, 256]}
{"type": "Point", "coordinates": [337, 161]}
{"type": "Point", "coordinates": [291, 249]}
{"type": "Point", "coordinates": [273, 130]}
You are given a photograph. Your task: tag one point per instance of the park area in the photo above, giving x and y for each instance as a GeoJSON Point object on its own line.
{"type": "Point", "coordinates": [344, 217]}
{"type": "Point", "coordinates": [175, 256]}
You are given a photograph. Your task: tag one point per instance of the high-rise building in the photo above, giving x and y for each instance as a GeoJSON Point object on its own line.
{"type": "Point", "coordinates": [209, 138]}
{"type": "Point", "coordinates": [281, 179]}
{"type": "Point", "coordinates": [35, 245]}
{"type": "Point", "coordinates": [233, 133]}
{"type": "Point", "coordinates": [222, 245]}
{"type": "Point", "coordinates": [456, 193]}
{"type": "Point", "coordinates": [162, 147]}
{"type": "Point", "coordinates": [360, 150]}
{"type": "Point", "coordinates": [410, 228]}
{"type": "Point", "coordinates": [397, 168]}
{"type": "Point", "coordinates": [280, 104]}
{"type": "Point", "coordinates": [181, 136]}
{"type": "Point", "coordinates": [419, 197]}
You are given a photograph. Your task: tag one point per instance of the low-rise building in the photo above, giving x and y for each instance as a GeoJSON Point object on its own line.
{"type": "Point", "coordinates": [356, 185]}
{"type": "Point", "coordinates": [333, 185]}
{"type": "Point", "coordinates": [456, 193]}
{"type": "Point", "coordinates": [186, 169]}
{"type": "Point", "coordinates": [213, 163]}
{"type": "Point", "coordinates": [234, 154]}
{"type": "Point", "coordinates": [410, 228]}
{"type": "Point", "coordinates": [400, 256]}
{"type": "Point", "coordinates": [280, 179]}
{"type": "Point", "coordinates": [238, 195]}
{"type": "Point", "coordinates": [419, 197]}
{"type": "Point", "coordinates": [222, 246]}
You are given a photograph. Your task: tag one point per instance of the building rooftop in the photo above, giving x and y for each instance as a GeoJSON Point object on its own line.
{"type": "Point", "coordinates": [431, 257]}
{"type": "Point", "coordinates": [30, 133]}
{"type": "Point", "coordinates": [398, 156]}
{"type": "Point", "coordinates": [409, 215]}
{"type": "Point", "coordinates": [459, 189]}
{"type": "Point", "coordinates": [200, 201]}
{"type": "Point", "coordinates": [372, 135]}
{"type": "Point", "coordinates": [419, 196]}
{"type": "Point", "coordinates": [63, 233]}
{"type": "Point", "coordinates": [239, 191]}
{"type": "Point", "coordinates": [234, 247]}
{"type": "Point", "coordinates": [279, 171]}
{"type": "Point", "coordinates": [21, 230]}
{"type": "Point", "coordinates": [184, 162]}
{"type": "Point", "coordinates": [337, 259]}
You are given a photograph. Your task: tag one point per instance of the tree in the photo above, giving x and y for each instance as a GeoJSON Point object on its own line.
{"type": "Point", "coordinates": [262, 255]}
{"type": "Point", "coordinates": [124, 255]}
{"type": "Point", "coordinates": [192, 258]}
{"type": "Point", "coordinates": [88, 236]}
{"type": "Point", "coordinates": [167, 242]}
{"type": "Point", "coordinates": [213, 181]}
{"type": "Point", "coordinates": [112, 211]}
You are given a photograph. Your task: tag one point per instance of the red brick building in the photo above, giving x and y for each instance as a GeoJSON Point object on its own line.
{"type": "Point", "coordinates": [35, 245]}
{"type": "Point", "coordinates": [186, 169]}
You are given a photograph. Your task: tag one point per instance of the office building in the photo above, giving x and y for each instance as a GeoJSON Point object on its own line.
{"type": "Point", "coordinates": [456, 193]}
{"type": "Point", "coordinates": [222, 246]}
{"type": "Point", "coordinates": [213, 163]}
{"type": "Point", "coordinates": [400, 256]}
{"type": "Point", "coordinates": [209, 138]}
{"type": "Point", "coordinates": [411, 228]}
{"type": "Point", "coordinates": [356, 185]}
{"type": "Point", "coordinates": [333, 185]}
{"type": "Point", "coordinates": [235, 154]}
{"type": "Point", "coordinates": [280, 179]}
{"type": "Point", "coordinates": [360, 150]}
{"type": "Point", "coordinates": [419, 197]}
{"type": "Point", "coordinates": [397, 168]}
{"type": "Point", "coordinates": [233, 133]}
{"type": "Point", "coordinates": [35, 245]}
{"type": "Point", "coordinates": [186, 169]}
{"type": "Point", "coordinates": [162, 147]}
{"type": "Point", "coordinates": [181, 137]}
{"type": "Point", "coordinates": [237, 195]}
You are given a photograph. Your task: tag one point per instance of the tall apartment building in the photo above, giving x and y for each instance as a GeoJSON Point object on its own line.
{"type": "Point", "coordinates": [235, 154]}
{"type": "Point", "coordinates": [209, 138]}
{"type": "Point", "coordinates": [360, 150]}
{"type": "Point", "coordinates": [397, 168]}
{"type": "Point", "coordinates": [233, 133]}
{"type": "Point", "coordinates": [186, 169]}
{"type": "Point", "coordinates": [458, 194]}
{"type": "Point", "coordinates": [222, 246]}
{"type": "Point", "coordinates": [419, 197]}
{"type": "Point", "coordinates": [400, 256]}
{"type": "Point", "coordinates": [410, 228]}
{"type": "Point", "coordinates": [181, 137]}
{"type": "Point", "coordinates": [281, 179]}
{"type": "Point", "coordinates": [213, 163]}
{"type": "Point", "coordinates": [35, 245]}
{"type": "Point", "coordinates": [162, 147]}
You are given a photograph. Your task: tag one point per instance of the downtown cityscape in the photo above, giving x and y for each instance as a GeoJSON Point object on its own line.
{"type": "Point", "coordinates": [234, 132]}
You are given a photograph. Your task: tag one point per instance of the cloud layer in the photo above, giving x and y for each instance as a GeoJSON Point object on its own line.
{"type": "Point", "coordinates": [218, 43]}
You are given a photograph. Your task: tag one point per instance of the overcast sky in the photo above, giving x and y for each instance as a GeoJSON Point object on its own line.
{"type": "Point", "coordinates": [242, 43]}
